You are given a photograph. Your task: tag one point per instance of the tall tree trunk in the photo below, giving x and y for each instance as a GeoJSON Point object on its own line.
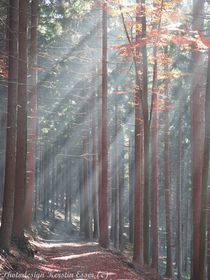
{"type": "Point", "coordinates": [103, 197]}
{"type": "Point", "coordinates": [116, 182]}
{"type": "Point", "coordinates": [131, 187]}
{"type": "Point", "coordinates": [167, 199]}
{"type": "Point", "coordinates": [21, 153]}
{"type": "Point", "coordinates": [81, 195]}
{"type": "Point", "coordinates": [205, 174]}
{"type": "Point", "coordinates": [121, 187]}
{"type": "Point", "coordinates": [113, 196]}
{"type": "Point", "coordinates": [10, 168]}
{"type": "Point", "coordinates": [167, 185]}
{"type": "Point", "coordinates": [179, 190]}
{"type": "Point", "coordinates": [32, 114]}
{"type": "Point", "coordinates": [138, 192]}
{"type": "Point", "coordinates": [86, 183]}
{"type": "Point", "coordinates": [147, 194]}
{"type": "Point", "coordinates": [94, 172]}
{"type": "Point", "coordinates": [67, 188]}
{"type": "Point", "coordinates": [154, 144]}
{"type": "Point", "coordinates": [154, 180]}
{"type": "Point", "coordinates": [196, 137]}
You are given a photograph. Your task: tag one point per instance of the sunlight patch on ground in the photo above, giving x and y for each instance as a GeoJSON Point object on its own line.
{"type": "Point", "coordinates": [48, 269]}
{"type": "Point", "coordinates": [66, 258]}
{"type": "Point", "coordinates": [62, 244]}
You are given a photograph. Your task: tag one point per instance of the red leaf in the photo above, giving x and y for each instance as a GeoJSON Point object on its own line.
{"type": "Point", "coordinates": [205, 40]}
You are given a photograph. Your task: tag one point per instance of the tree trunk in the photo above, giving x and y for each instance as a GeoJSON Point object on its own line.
{"type": "Point", "coordinates": [86, 183]}
{"type": "Point", "coordinates": [103, 197]}
{"type": "Point", "coordinates": [154, 144]}
{"type": "Point", "coordinates": [10, 168]}
{"type": "Point", "coordinates": [205, 174]}
{"type": "Point", "coordinates": [21, 153]}
{"type": "Point", "coordinates": [138, 192]}
{"type": "Point", "coordinates": [32, 116]}
{"type": "Point", "coordinates": [121, 187]}
{"type": "Point", "coordinates": [94, 172]}
{"type": "Point", "coordinates": [131, 187]}
{"type": "Point", "coordinates": [167, 187]}
{"type": "Point", "coordinates": [196, 138]}
{"type": "Point", "coordinates": [179, 190]}
{"type": "Point", "coordinates": [116, 182]}
{"type": "Point", "coordinates": [154, 182]}
{"type": "Point", "coordinates": [81, 195]}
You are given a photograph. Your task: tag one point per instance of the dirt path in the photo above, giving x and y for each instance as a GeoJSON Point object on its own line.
{"type": "Point", "coordinates": [75, 261]}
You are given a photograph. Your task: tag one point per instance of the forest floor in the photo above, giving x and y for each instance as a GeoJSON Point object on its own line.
{"type": "Point", "coordinates": [73, 260]}
{"type": "Point", "coordinates": [59, 257]}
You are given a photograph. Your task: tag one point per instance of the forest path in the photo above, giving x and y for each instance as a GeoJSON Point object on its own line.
{"type": "Point", "coordinates": [75, 261]}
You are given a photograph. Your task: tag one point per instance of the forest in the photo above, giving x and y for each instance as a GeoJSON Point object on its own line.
{"type": "Point", "coordinates": [105, 139]}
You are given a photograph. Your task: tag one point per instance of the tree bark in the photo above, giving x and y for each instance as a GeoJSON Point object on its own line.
{"type": "Point", "coordinates": [204, 190]}
{"type": "Point", "coordinates": [179, 191]}
{"type": "Point", "coordinates": [103, 197]}
{"type": "Point", "coordinates": [10, 168]}
{"type": "Point", "coordinates": [167, 186]}
{"type": "Point", "coordinates": [94, 172]}
{"type": "Point", "coordinates": [138, 192]}
{"type": "Point", "coordinates": [116, 181]}
{"type": "Point", "coordinates": [21, 153]}
{"type": "Point", "coordinates": [86, 196]}
{"type": "Point", "coordinates": [196, 138]}
{"type": "Point", "coordinates": [32, 116]}
{"type": "Point", "coordinates": [131, 188]}
{"type": "Point", "coordinates": [154, 183]}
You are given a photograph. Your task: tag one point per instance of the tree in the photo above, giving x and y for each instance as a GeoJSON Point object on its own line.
{"type": "Point", "coordinates": [131, 187]}
{"type": "Point", "coordinates": [86, 177]}
{"type": "Point", "coordinates": [138, 196]}
{"type": "Point", "coordinates": [10, 168]}
{"type": "Point", "coordinates": [197, 146]}
{"type": "Point", "coordinates": [103, 198]}
{"type": "Point", "coordinates": [116, 179]}
{"type": "Point", "coordinates": [154, 145]}
{"type": "Point", "coordinates": [94, 169]}
{"type": "Point", "coordinates": [179, 190]}
{"type": "Point", "coordinates": [205, 177]}
{"type": "Point", "coordinates": [21, 154]}
{"type": "Point", "coordinates": [32, 116]}
{"type": "Point", "coordinates": [167, 185]}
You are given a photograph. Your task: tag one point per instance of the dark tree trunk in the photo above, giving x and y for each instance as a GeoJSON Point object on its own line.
{"type": "Point", "coordinates": [179, 190]}
{"type": "Point", "coordinates": [94, 172]}
{"type": "Point", "coordinates": [10, 168]}
{"type": "Point", "coordinates": [21, 153]}
{"type": "Point", "coordinates": [196, 138]}
{"type": "Point", "coordinates": [154, 183]}
{"type": "Point", "coordinates": [86, 183]}
{"type": "Point", "coordinates": [103, 196]}
{"type": "Point", "coordinates": [131, 188]}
